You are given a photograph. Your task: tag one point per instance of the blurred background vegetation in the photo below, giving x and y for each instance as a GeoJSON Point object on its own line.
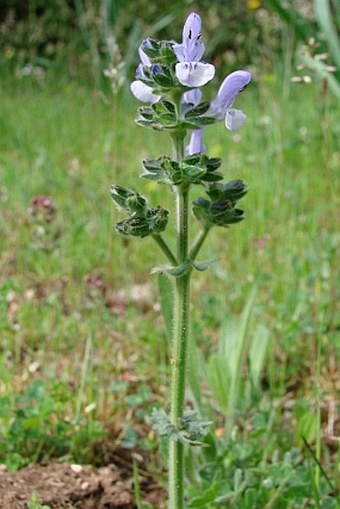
{"type": "Point", "coordinates": [80, 36]}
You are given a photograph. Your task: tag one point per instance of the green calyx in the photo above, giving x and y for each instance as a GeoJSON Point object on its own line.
{"type": "Point", "coordinates": [159, 51]}
{"type": "Point", "coordinates": [195, 169]}
{"type": "Point", "coordinates": [128, 200]}
{"type": "Point", "coordinates": [233, 190]}
{"type": "Point", "coordinates": [163, 114]}
{"type": "Point", "coordinates": [143, 220]}
{"type": "Point", "coordinates": [154, 221]}
{"type": "Point", "coordinates": [220, 209]}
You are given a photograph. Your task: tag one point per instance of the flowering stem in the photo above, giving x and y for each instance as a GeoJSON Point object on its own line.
{"type": "Point", "coordinates": [180, 338]}
{"type": "Point", "coordinates": [165, 248]}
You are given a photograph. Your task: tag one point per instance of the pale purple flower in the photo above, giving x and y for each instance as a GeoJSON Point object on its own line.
{"type": "Point", "coordinates": [192, 48]}
{"type": "Point", "coordinates": [221, 106]}
{"type": "Point", "coordinates": [143, 92]}
{"type": "Point", "coordinates": [196, 145]}
{"type": "Point", "coordinates": [139, 89]}
{"type": "Point", "coordinates": [142, 55]}
{"type": "Point", "coordinates": [234, 119]}
{"type": "Point", "coordinates": [190, 71]}
{"type": "Point", "coordinates": [192, 96]}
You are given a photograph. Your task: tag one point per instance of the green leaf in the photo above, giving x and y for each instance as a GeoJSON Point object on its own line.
{"type": "Point", "coordinates": [212, 177]}
{"type": "Point", "coordinates": [189, 125]}
{"type": "Point", "coordinates": [152, 48]}
{"type": "Point", "coordinates": [213, 163]}
{"type": "Point", "coordinates": [206, 497]}
{"type": "Point", "coordinates": [224, 367]}
{"type": "Point", "coordinates": [180, 270]}
{"type": "Point", "coordinates": [152, 164]}
{"type": "Point", "coordinates": [192, 173]}
{"type": "Point", "coordinates": [198, 110]}
{"type": "Point", "coordinates": [150, 124]}
{"type": "Point", "coordinates": [151, 176]}
{"type": "Point", "coordinates": [164, 107]}
{"type": "Point", "coordinates": [167, 119]}
{"type": "Point", "coordinates": [160, 170]}
{"type": "Point", "coordinates": [218, 212]}
{"type": "Point", "coordinates": [162, 424]}
{"type": "Point", "coordinates": [192, 428]}
{"type": "Point", "coordinates": [160, 51]}
{"type": "Point", "coordinates": [202, 121]}
{"type": "Point", "coordinates": [146, 78]}
{"type": "Point", "coordinates": [146, 112]}
{"type": "Point", "coordinates": [237, 217]}
{"type": "Point", "coordinates": [202, 266]}
{"type": "Point", "coordinates": [233, 190]}
{"type": "Point", "coordinates": [128, 200]}
{"type": "Point", "coordinates": [195, 159]}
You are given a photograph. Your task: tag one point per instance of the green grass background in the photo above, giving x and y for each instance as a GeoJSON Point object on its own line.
{"type": "Point", "coordinates": [64, 140]}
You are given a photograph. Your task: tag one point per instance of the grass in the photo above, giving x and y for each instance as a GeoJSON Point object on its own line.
{"type": "Point", "coordinates": [76, 352]}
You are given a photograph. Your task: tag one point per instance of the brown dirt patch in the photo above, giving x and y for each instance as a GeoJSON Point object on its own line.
{"type": "Point", "coordinates": [64, 486]}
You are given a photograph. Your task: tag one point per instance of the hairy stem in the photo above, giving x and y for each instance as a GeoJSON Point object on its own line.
{"type": "Point", "coordinates": [180, 338]}
{"type": "Point", "coordinates": [165, 248]}
{"type": "Point", "coordinates": [198, 243]}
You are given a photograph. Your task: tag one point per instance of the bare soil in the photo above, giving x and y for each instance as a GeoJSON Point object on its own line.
{"type": "Point", "coordinates": [61, 486]}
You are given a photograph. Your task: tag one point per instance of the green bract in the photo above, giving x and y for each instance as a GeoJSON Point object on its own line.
{"type": "Point", "coordinates": [163, 115]}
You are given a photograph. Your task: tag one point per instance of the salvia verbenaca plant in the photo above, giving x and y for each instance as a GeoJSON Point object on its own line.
{"type": "Point", "coordinates": [169, 80]}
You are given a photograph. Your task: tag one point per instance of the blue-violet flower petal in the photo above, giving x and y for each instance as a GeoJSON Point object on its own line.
{"type": "Point", "coordinates": [196, 143]}
{"type": "Point", "coordinates": [231, 86]}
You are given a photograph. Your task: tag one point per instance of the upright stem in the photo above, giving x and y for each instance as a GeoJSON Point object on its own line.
{"type": "Point", "coordinates": [180, 340]}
